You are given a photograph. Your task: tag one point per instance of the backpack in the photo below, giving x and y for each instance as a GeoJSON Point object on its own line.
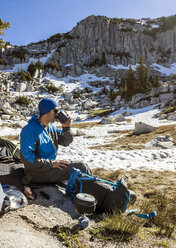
{"type": "Point", "coordinates": [9, 152]}
{"type": "Point", "coordinates": [109, 195]}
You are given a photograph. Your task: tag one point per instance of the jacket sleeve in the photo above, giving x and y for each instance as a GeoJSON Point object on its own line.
{"type": "Point", "coordinates": [65, 137]}
{"type": "Point", "coordinates": [28, 152]}
{"type": "Point", "coordinates": [38, 164]}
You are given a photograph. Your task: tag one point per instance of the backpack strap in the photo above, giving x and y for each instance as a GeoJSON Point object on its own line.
{"type": "Point", "coordinates": [143, 216]}
{"type": "Point", "coordinates": [88, 177]}
{"type": "Point", "coordinates": [76, 174]}
{"type": "Point", "coordinates": [127, 194]}
{"type": "Point", "coordinates": [72, 182]}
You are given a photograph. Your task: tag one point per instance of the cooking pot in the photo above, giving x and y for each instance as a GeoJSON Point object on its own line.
{"type": "Point", "coordinates": [85, 203]}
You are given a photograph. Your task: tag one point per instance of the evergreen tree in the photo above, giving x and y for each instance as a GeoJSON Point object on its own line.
{"type": "Point", "coordinates": [139, 83]}
{"type": "Point", "coordinates": [122, 87]}
{"type": "Point", "coordinates": [156, 80]}
{"type": "Point", "coordinates": [22, 75]}
{"type": "Point", "coordinates": [32, 69]}
{"type": "Point", "coordinates": [112, 94]}
{"type": "Point", "coordinates": [28, 76]}
{"type": "Point", "coordinates": [39, 65]}
{"type": "Point", "coordinates": [3, 25]}
{"type": "Point", "coordinates": [130, 84]}
{"type": "Point", "coordinates": [151, 79]}
{"type": "Point", "coordinates": [104, 90]}
{"type": "Point", "coordinates": [115, 82]}
{"type": "Point", "coordinates": [142, 73]}
{"type": "Point", "coordinates": [103, 59]}
{"type": "Point", "coordinates": [2, 61]}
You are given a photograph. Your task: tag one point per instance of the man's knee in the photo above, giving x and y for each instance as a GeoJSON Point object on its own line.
{"type": "Point", "coordinates": [82, 166]}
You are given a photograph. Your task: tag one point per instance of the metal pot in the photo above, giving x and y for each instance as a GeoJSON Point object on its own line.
{"type": "Point", "coordinates": [85, 203]}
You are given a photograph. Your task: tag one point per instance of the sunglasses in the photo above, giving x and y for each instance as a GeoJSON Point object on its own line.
{"type": "Point", "coordinates": [55, 111]}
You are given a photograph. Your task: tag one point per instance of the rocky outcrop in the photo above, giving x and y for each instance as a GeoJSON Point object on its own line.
{"type": "Point", "coordinates": [98, 41]}
{"type": "Point", "coordinates": [112, 119]}
{"type": "Point", "coordinates": [164, 94]}
{"type": "Point", "coordinates": [121, 41]}
{"type": "Point", "coordinates": [164, 142]}
{"type": "Point", "coordinates": [78, 100]}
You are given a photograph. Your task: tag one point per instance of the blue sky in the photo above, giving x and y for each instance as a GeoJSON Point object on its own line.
{"type": "Point", "coordinates": [36, 20]}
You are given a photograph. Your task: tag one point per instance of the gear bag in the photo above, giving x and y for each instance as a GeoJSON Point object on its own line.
{"type": "Point", "coordinates": [109, 195]}
{"type": "Point", "coordinates": [9, 152]}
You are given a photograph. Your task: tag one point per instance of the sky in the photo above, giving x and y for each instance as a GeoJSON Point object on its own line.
{"type": "Point", "coordinates": [36, 20]}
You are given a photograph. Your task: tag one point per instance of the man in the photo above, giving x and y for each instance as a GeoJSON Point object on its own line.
{"type": "Point", "coordinates": [39, 145]}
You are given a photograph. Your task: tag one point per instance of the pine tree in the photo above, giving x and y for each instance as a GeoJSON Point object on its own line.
{"type": "Point", "coordinates": [104, 90]}
{"type": "Point", "coordinates": [28, 76]}
{"type": "Point", "coordinates": [156, 80]}
{"type": "Point", "coordinates": [130, 84]}
{"type": "Point", "coordinates": [32, 69]}
{"type": "Point", "coordinates": [39, 65]}
{"type": "Point", "coordinates": [3, 25]}
{"type": "Point", "coordinates": [103, 59]}
{"type": "Point", "coordinates": [116, 82]}
{"type": "Point", "coordinates": [22, 75]}
{"type": "Point", "coordinates": [122, 87]}
{"type": "Point", "coordinates": [112, 94]}
{"type": "Point", "coordinates": [142, 72]}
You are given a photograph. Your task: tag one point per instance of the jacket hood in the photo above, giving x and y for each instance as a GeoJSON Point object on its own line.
{"type": "Point", "coordinates": [34, 120]}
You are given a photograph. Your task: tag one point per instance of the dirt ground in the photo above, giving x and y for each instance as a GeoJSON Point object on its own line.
{"type": "Point", "coordinates": [34, 224]}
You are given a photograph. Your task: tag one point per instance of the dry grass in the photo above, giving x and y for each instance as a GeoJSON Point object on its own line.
{"type": "Point", "coordinates": [81, 125]}
{"type": "Point", "coordinates": [117, 227]}
{"type": "Point", "coordinates": [85, 125]}
{"type": "Point", "coordinates": [100, 112]}
{"type": "Point", "coordinates": [129, 141]}
{"type": "Point", "coordinates": [11, 137]}
{"type": "Point", "coordinates": [155, 192]}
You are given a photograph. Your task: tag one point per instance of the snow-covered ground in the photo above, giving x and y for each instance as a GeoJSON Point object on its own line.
{"type": "Point", "coordinates": [112, 159]}
{"type": "Point", "coordinates": [24, 66]}
{"type": "Point", "coordinates": [157, 159]}
{"type": "Point", "coordinates": [171, 69]}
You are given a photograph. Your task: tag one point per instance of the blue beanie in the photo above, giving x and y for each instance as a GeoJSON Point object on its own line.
{"type": "Point", "coordinates": [46, 105]}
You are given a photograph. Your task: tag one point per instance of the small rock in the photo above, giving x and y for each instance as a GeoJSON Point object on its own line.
{"type": "Point", "coordinates": [141, 127]}
{"type": "Point", "coordinates": [79, 133]}
{"type": "Point", "coordinates": [5, 117]}
{"type": "Point", "coordinates": [160, 142]}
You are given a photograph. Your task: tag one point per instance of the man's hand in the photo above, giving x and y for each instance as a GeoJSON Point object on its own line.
{"type": "Point", "coordinates": [60, 164]}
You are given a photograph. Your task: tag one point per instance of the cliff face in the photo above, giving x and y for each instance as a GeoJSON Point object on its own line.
{"type": "Point", "coordinates": [99, 40]}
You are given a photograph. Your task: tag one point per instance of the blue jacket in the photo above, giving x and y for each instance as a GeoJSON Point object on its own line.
{"type": "Point", "coordinates": [39, 145]}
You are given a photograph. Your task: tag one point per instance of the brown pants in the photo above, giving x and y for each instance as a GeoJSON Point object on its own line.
{"type": "Point", "coordinates": [55, 175]}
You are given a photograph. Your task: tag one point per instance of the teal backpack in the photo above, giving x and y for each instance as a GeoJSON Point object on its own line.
{"type": "Point", "coordinates": [109, 195]}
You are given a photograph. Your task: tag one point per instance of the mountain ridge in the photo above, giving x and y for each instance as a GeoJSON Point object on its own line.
{"type": "Point", "coordinates": [97, 41]}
